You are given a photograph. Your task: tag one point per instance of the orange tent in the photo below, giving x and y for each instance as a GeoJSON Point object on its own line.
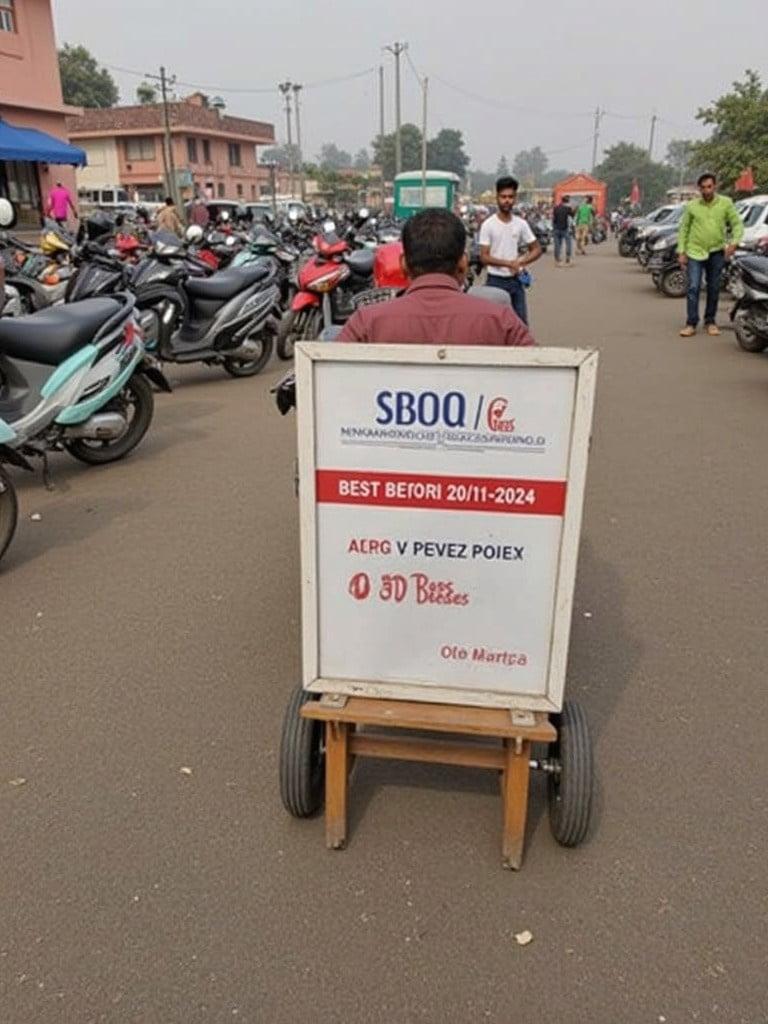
{"type": "Point", "coordinates": [579, 186]}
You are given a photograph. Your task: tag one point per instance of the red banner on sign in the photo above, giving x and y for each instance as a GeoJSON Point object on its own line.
{"type": "Point", "coordinates": [450, 493]}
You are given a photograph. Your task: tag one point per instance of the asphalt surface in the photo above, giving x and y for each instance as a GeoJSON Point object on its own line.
{"type": "Point", "coordinates": [150, 623]}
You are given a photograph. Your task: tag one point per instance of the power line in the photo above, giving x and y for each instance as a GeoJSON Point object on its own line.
{"type": "Point", "coordinates": [501, 105]}
{"type": "Point", "coordinates": [236, 89]}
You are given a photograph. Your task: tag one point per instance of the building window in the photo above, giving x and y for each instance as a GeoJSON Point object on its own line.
{"type": "Point", "coordinates": [253, 191]}
{"type": "Point", "coordinates": [7, 20]}
{"type": "Point", "coordinates": [221, 190]}
{"type": "Point", "coordinates": [140, 148]}
{"type": "Point", "coordinates": [192, 150]}
{"type": "Point", "coordinates": [206, 151]}
{"type": "Point", "coordinates": [234, 154]}
{"type": "Point", "coordinates": [239, 190]}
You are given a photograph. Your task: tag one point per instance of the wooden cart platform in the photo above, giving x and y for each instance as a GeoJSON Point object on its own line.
{"type": "Point", "coordinates": [345, 716]}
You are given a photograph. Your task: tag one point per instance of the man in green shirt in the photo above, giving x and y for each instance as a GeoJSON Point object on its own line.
{"type": "Point", "coordinates": [702, 247]}
{"type": "Point", "coordinates": [583, 220]}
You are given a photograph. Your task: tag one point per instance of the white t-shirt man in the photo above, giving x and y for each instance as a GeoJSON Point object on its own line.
{"type": "Point", "coordinates": [505, 239]}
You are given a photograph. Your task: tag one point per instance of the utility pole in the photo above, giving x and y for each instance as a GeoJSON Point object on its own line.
{"type": "Point", "coordinates": [424, 92]}
{"type": "Point", "coordinates": [595, 137]}
{"type": "Point", "coordinates": [381, 132]}
{"type": "Point", "coordinates": [397, 49]}
{"type": "Point", "coordinates": [169, 163]}
{"type": "Point", "coordinates": [296, 90]}
{"type": "Point", "coordinates": [285, 89]}
{"type": "Point", "coordinates": [654, 119]}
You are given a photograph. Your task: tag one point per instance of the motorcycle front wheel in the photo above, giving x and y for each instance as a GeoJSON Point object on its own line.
{"type": "Point", "coordinates": [674, 283]}
{"type": "Point", "coordinates": [626, 248]}
{"type": "Point", "coordinates": [136, 403]}
{"type": "Point", "coordinates": [746, 336]}
{"type": "Point", "coordinates": [9, 511]}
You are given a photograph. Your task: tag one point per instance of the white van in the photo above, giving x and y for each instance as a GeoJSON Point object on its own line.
{"type": "Point", "coordinates": [755, 217]}
{"type": "Point", "coordinates": [110, 197]}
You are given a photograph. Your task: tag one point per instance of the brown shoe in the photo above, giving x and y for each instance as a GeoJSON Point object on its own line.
{"type": "Point", "coordinates": [713, 330]}
{"type": "Point", "coordinates": [687, 331]}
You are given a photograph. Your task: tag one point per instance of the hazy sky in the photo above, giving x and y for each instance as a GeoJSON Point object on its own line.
{"type": "Point", "coordinates": [537, 71]}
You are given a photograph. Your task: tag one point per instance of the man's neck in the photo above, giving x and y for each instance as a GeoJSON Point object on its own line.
{"type": "Point", "coordinates": [504, 216]}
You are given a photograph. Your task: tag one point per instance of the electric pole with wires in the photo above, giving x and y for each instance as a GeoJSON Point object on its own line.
{"type": "Point", "coordinates": [397, 49]}
{"type": "Point", "coordinates": [169, 163]}
{"type": "Point", "coordinates": [285, 88]}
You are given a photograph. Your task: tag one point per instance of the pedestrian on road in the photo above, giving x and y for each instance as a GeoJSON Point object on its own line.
{"type": "Point", "coordinates": [702, 248]}
{"type": "Point", "coordinates": [434, 310]}
{"type": "Point", "coordinates": [199, 213]}
{"type": "Point", "coordinates": [562, 216]}
{"type": "Point", "coordinates": [585, 216]}
{"type": "Point", "coordinates": [59, 202]}
{"type": "Point", "coordinates": [500, 238]}
{"type": "Point", "coordinates": [168, 219]}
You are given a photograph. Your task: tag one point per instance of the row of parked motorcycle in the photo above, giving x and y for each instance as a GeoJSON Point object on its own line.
{"type": "Point", "coordinates": [652, 241]}
{"type": "Point", "coordinates": [87, 322]}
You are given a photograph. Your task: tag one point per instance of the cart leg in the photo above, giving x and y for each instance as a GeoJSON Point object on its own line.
{"type": "Point", "coordinates": [336, 784]}
{"type": "Point", "coordinates": [515, 798]}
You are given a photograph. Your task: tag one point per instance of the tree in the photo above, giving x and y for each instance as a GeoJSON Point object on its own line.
{"type": "Point", "coordinates": [146, 94]}
{"type": "Point", "coordinates": [739, 138]}
{"type": "Point", "coordinates": [530, 165]}
{"type": "Point", "coordinates": [551, 178]}
{"type": "Point", "coordinates": [625, 162]}
{"type": "Point", "coordinates": [384, 150]}
{"type": "Point", "coordinates": [331, 158]}
{"type": "Point", "coordinates": [281, 156]}
{"type": "Point", "coordinates": [362, 161]}
{"type": "Point", "coordinates": [502, 169]}
{"type": "Point", "coordinates": [83, 82]}
{"type": "Point", "coordinates": [481, 181]}
{"type": "Point", "coordinates": [446, 152]}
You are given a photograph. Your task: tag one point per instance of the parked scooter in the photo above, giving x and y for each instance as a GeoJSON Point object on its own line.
{"type": "Point", "coordinates": [749, 285]}
{"type": "Point", "coordinates": [328, 284]}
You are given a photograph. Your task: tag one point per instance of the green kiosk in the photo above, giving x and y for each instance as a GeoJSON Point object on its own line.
{"type": "Point", "coordinates": [442, 190]}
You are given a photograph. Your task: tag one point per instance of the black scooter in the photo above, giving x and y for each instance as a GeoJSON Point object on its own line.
{"type": "Point", "coordinates": [749, 284]}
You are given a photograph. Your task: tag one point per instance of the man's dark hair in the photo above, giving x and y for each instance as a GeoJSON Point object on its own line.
{"type": "Point", "coordinates": [433, 241]}
{"type": "Point", "coordinates": [168, 201]}
{"type": "Point", "coordinates": [507, 182]}
{"type": "Point", "coordinates": [706, 176]}
{"type": "Point", "coordinates": [565, 199]}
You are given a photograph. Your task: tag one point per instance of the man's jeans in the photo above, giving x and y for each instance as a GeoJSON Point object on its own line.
{"type": "Point", "coordinates": [713, 267]}
{"type": "Point", "coordinates": [514, 290]}
{"type": "Point", "coordinates": [560, 237]}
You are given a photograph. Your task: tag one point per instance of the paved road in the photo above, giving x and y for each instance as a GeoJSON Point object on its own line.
{"type": "Point", "coordinates": [150, 623]}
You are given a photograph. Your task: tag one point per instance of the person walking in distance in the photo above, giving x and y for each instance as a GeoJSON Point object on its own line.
{"type": "Point", "coordinates": [585, 216]}
{"type": "Point", "coordinates": [59, 202]}
{"type": "Point", "coordinates": [500, 238]}
{"type": "Point", "coordinates": [168, 218]}
{"type": "Point", "coordinates": [562, 215]}
{"type": "Point", "coordinates": [702, 249]}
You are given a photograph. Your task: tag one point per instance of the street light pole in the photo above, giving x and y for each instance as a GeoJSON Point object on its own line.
{"type": "Point", "coordinates": [595, 137]}
{"type": "Point", "coordinates": [424, 90]}
{"type": "Point", "coordinates": [296, 90]}
{"type": "Point", "coordinates": [169, 163]}
{"type": "Point", "coordinates": [285, 89]}
{"type": "Point", "coordinates": [381, 131]}
{"type": "Point", "coordinates": [397, 49]}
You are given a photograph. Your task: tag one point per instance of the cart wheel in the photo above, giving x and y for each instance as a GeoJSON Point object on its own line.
{"type": "Point", "coordinates": [570, 789]}
{"type": "Point", "coordinates": [302, 759]}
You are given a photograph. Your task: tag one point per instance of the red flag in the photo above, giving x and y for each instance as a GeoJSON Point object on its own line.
{"type": "Point", "coordinates": [634, 195]}
{"type": "Point", "coordinates": [745, 181]}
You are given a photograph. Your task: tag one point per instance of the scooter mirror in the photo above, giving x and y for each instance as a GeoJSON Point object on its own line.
{"type": "Point", "coordinates": [7, 213]}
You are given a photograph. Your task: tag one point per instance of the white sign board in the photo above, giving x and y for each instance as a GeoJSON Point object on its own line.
{"type": "Point", "coordinates": [441, 493]}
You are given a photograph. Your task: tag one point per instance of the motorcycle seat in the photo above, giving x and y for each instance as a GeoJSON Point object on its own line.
{"type": "Point", "coordinates": [360, 262]}
{"type": "Point", "coordinates": [226, 283]}
{"type": "Point", "coordinates": [52, 335]}
{"type": "Point", "coordinates": [756, 267]}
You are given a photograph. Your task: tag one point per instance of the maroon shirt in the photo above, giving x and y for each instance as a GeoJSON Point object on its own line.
{"type": "Point", "coordinates": [434, 311]}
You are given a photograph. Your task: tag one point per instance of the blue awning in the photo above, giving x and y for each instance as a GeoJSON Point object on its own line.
{"type": "Point", "coordinates": [30, 144]}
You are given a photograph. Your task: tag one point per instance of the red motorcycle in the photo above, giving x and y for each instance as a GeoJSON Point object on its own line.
{"type": "Point", "coordinates": [328, 283]}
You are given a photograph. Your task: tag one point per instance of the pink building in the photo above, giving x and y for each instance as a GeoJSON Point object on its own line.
{"type": "Point", "coordinates": [30, 98]}
{"type": "Point", "coordinates": [213, 152]}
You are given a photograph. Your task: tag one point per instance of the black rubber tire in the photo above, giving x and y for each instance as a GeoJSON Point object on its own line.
{"type": "Point", "coordinates": [9, 511]}
{"type": "Point", "coordinates": [241, 368]}
{"type": "Point", "coordinates": [570, 790]}
{"type": "Point", "coordinates": [748, 339]}
{"type": "Point", "coordinates": [674, 283]}
{"type": "Point", "coordinates": [313, 325]}
{"type": "Point", "coordinates": [626, 249]}
{"type": "Point", "coordinates": [302, 759]}
{"type": "Point", "coordinates": [288, 333]}
{"type": "Point", "coordinates": [111, 451]}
